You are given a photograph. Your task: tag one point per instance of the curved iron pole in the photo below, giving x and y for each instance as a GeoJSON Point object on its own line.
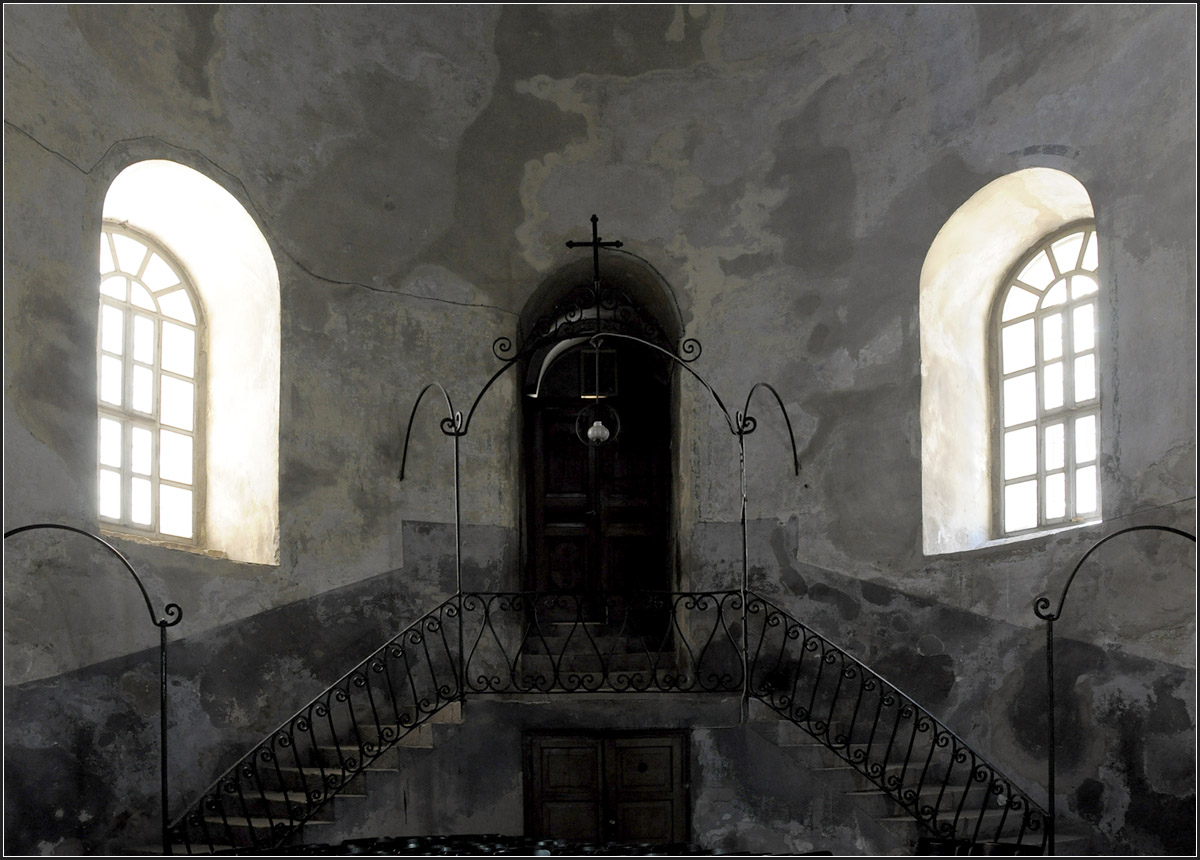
{"type": "Point", "coordinates": [172, 615]}
{"type": "Point", "coordinates": [1040, 607]}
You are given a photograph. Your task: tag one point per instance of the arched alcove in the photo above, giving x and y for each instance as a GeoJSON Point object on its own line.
{"type": "Point", "coordinates": [232, 268]}
{"type": "Point", "coordinates": [962, 272]}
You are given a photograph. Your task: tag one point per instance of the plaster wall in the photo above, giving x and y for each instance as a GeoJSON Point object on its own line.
{"type": "Point", "coordinates": [416, 170]}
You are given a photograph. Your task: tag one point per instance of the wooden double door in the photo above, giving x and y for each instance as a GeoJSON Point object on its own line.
{"type": "Point", "coordinates": [607, 787]}
{"type": "Point", "coordinates": [598, 517]}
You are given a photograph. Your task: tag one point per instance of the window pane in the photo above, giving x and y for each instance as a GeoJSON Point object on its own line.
{"type": "Point", "coordinates": [1056, 295]}
{"type": "Point", "coordinates": [158, 274]}
{"type": "Point", "coordinates": [1018, 303]}
{"type": "Point", "coordinates": [1052, 337]}
{"type": "Point", "coordinates": [140, 442]}
{"type": "Point", "coordinates": [130, 253]}
{"type": "Point", "coordinates": [1083, 285]}
{"type": "Point", "coordinates": [112, 329]}
{"type": "Point", "coordinates": [143, 339]}
{"type": "Point", "coordinates": [110, 442]}
{"type": "Point", "coordinates": [1085, 490]}
{"type": "Point", "coordinates": [1055, 446]}
{"type": "Point", "coordinates": [175, 511]}
{"type": "Point", "coordinates": [1085, 439]}
{"type": "Point", "coordinates": [1020, 506]}
{"type": "Point", "coordinates": [1056, 496]}
{"type": "Point", "coordinates": [115, 287]}
{"type": "Point", "coordinates": [1066, 251]}
{"type": "Point", "coordinates": [1017, 347]}
{"type": "Point", "coordinates": [1038, 272]}
{"type": "Point", "coordinates": [1085, 378]}
{"type": "Point", "coordinates": [1020, 453]}
{"type": "Point", "coordinates": [110, 494]}
{"type": "Point", "coordinates": [178, 349]}
{"type": "Point", "coordinates": [176, 406]}
{"type": "Point", "coordinates": [143, 389]}
{"type": "Point", "coordinates": [110, 380]}
{"type": "Point", "coordinates": [106, 258]}
{"type": "Point", "coordinates": [140, 499]}
{"type": "Point", "coordinates": [1052, 385]}
{"type": "Point", "coordinates": [1091, 258]}
{"type": "Point", "coordinates": [1020, 399]}
{"type": "Point", "coordinates": [175, 457]}
{"type": "Point", "coordinates": [141, 298]}
{"type": "Point", "coordinates": [1083, 329]}
{"type": "Point", "coordinates": [177, 305]}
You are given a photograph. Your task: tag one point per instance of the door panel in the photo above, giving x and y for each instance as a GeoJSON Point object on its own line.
{"type": "Point", "coordinates": [620, 787]}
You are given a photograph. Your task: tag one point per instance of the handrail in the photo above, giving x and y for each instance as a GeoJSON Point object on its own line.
{"type": "Point", "coordinates": [172, 615]}
{"type": "Point", "coordinates": [886, 736]}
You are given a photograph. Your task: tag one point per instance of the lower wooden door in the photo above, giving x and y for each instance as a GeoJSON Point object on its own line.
{"type": "Point", "coordinates": [607, 787]}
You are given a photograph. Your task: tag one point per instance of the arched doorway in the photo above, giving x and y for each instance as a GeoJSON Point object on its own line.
{"type": "Point", "coordinates": [598, 517]}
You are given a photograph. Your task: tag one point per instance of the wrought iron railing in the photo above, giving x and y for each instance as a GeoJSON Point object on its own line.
{"type": "Point", "coordinates": [726, 642]}
{"type": "Point", "coordinates": [950, 791]}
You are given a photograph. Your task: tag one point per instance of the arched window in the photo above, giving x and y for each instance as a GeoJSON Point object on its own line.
{"type": "Point", "coordinates": [151, 395]}
{"type": "Point", "coordinates": [1047, 393]}
{"type": "Point", "coordinates": [158, 217]}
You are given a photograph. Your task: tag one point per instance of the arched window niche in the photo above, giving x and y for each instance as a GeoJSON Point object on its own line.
{"type": "Point", "coordinates": [231, 267]}
{"type": "Point", "coordinates": [963, 272]}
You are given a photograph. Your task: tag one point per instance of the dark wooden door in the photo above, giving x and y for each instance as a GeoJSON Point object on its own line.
{"type": "Point", "coordinates": [612, 787]}
{"type": "Point", "coordinates": [598, 516]}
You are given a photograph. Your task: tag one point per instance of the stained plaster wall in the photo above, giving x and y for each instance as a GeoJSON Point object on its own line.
{"type": "Point", "coordinates": [785, 170]}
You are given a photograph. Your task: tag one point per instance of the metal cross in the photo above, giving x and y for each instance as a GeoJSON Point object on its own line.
{"type": "Point", "coordinates": [595, 245]}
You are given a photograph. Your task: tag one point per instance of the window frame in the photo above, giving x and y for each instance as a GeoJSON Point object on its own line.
{"type": "Point", "coordinates": [129, 418]}
{"type": "Point", "coordinates": [1065, 414]}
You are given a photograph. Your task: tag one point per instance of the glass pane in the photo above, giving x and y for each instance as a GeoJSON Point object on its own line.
{"type": "Point", "coordinates": [1083, 327]}
{"type": "Point", "coordinates": [1056, 295]}
{"type": "Point", "coordinates": [1055, 446]}
{"type": "Point", "coordinates": [1020, 453]}
{"type": "Point", "coordinates": [1083, 285]}
{"type": "Point", "coordinates": [140, 499]}
{"type": "Point", "coordinates": [143, 339]}
{"type": "Point", "coordinates": [106, 257]}
{"type": "Point", "coordinates": [175, 511]}
{"type": "Point", "coordinates": [1085, 378]}
{"type": "Point", "coordinates": [1091, 257]}
{"type": "Point", "coordinates": [1085, 439]}
{"type": "Point", "coordinates": [143, 389]}
{"type": "Point", "coordinates": [175, 457]}
{"type": "Point", "coordinates": [1056, 496]}
{"type": "Point", "coordinates": [1066, 251]}
{"type": "Point", "coordinates": [115, 287]}
{"type": "Point", "coordinates": [1020, 399]}
{"type": "Point", "coordinates": [1018, 303]}
{"type": "Point", "coordinates": [1017, 346]}
{"type": "Point", "coordinates": [140, 297]}
{"type": "Point", "coordinates": [110, 442]}
{"type": "Point", "coordinates": [110, 494]}
{"type": "Point", "coordinates": [1085, 490]}
{"type": "Point", "coordinates": [178, 349]}
{"type": "Point", "coordinates": [1020, 506]}
{"type": "Point", "coordinates": [130, 253]}
{"type": "Point", "coordinates": [141, 441]}
{"type": "Point", "coordinates": [158, 274]}
{"type": "Point", "coordinates": [1038, 272]}
{"type": "Point", "coordinates": [1052, 337]}
{"type": "Point", "coordinates": [1052, 385]}
{"type": "Point", "coordinates": [177, 305]}
{"type": "Point", "coordinates": [176, 406]}
{"type": "Point", "coordinates": [110, 380]}
{"type": "Point", "coordinates": [112, 329]}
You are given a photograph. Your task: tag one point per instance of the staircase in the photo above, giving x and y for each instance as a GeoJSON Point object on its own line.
{"type": "Point", "coordinates": [918, 777]}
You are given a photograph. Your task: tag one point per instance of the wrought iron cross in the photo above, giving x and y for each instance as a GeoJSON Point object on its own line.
{"type": "Point", "coordinates": [595, 245]}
